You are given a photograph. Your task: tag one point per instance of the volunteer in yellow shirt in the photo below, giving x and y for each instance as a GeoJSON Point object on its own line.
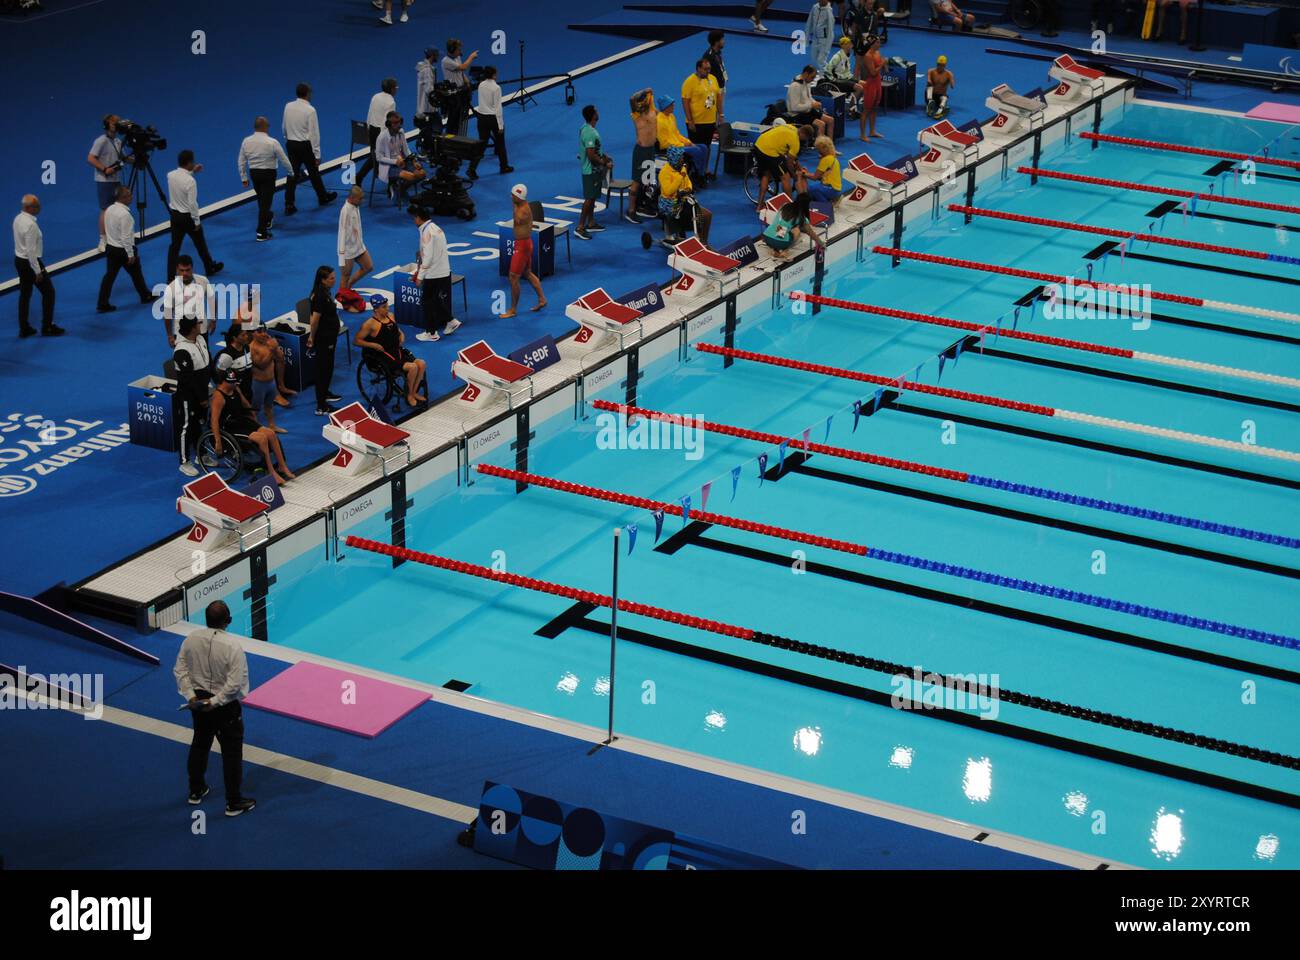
{"type": "Point", "coordinates": [676, 197]}
{"type": "Point", "coordinates": [670, 136]}
{"type": "Point", "coordinates": [700, 96]}
{"type": "Point", "coordinates": [775, 152]}
{"type": "Point", "coordinates": [825, 182]}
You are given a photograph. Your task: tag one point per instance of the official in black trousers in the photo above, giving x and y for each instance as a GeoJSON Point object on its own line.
{"type": "Point", "coordinates": [212, 675]}
{"type": "Point", "coordinates": [29, 246]}
{"type": "Point", "coordinates": [324, 337]}
{"type": "Point", "coordinates": [120, 252]}
{"type": "Point", "coordinates": [183, 206]}
{"type": "Point", "coordinates": [302, 144]}
{"type": "Point", "coordinates": [259, 156]}
{"type": "Point", "coordinates": [491, 121]}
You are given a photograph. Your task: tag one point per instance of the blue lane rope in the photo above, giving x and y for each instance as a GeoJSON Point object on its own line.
{"type": "Point", "coordinates": [1131, 511]}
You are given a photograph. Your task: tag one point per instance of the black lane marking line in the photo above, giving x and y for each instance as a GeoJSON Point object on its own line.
{"type": "Point", "coordinates": [1223, 166]}
{"type": "Point", "coordinates": [1100, 250]}
{"type": "Point", "coordinates": [1134, 452]}
{"type": "Point", "coordinates": [974, 722]}
{"type": "Point", "coordinates": [576, 611]}
{"type": "Point", "coordinates": [1171, 205]}
{"type": "Point", "coordinates": [1144, 381]}
{"type": "Point", "coordinates": [992, 608]}
{"type": "Point", "coordinates": [1041, 520]}
{"type": "Point", "coordinates": [1213, 268]}
{"type": "Point", "coordinates": [1103, 313]}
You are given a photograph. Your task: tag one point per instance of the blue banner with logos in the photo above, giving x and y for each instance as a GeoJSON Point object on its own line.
{"type": "Point", "coordinates": [744, 251]}
{"type": "Point", "coordinates": [539, 354]}
{"type": "Point", "coordinates": [905, 165]}
{"type": "Point", "coordinates": [647, 299]}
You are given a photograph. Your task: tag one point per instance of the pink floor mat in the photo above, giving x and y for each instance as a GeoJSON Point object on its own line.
{"type": "Point", "coordinates": [336, 699]}
{"type": "Point", "coordinates": [1283, 113]}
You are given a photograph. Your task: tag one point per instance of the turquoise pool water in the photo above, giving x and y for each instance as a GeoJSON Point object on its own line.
{"type": "Point", "coordinates": [431, 625]}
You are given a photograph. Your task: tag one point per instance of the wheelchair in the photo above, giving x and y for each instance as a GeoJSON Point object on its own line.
{"type": "Point", "coordinates": [381, 384]}
{"type": "Point", "coordinates": [239, 455]}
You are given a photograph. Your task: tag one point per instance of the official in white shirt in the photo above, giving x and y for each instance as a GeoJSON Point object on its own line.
{"type": "Point", "coordinates": [381, 105]}
{"type": "Point", "coordinates": [258, 156]}
{"type": "Point", "coordinates": [183, 204]}
{"type": "Point", "coordinates": [212, 675]}
{"type": "Point", "coordinates": [302, 143]}
{"type": "Point", "coordinates": [433, 274]}
{"type": "Point", "coordinates": [29, 245]}
{"type": "Point", "coordinates": [120, 252]}
{"type": "Point", "coordinates": [188, 295]}
{"type": "Point", "coordinates": [491, 120]}
{"type": "Point", "coordinates": [354, 258]}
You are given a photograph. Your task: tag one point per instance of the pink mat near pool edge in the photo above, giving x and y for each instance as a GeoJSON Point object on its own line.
{"type": "Point", "coordinates": [1281, 112]}
{"type": "Point", "coordinates": [311, 692]}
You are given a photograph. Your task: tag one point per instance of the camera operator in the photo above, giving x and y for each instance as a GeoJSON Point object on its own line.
{"type": "Point", "coordinates": [258, 155]}
{"type": "Point", "coordinates": [29, 244]}
{"type": "Point", "coordinates": [491, 120]}
{"type": "Point", "coordinates": [183, 204]}
{"type": "Point", "coordinates": [107, 158]}
{"type": "Point", "coordinates": [426, 79]}
{"type": "Point", "coordinates": [456, 72]}
{"type": "Point", "coordinates": [119, 235]}
{"type": "Point", "coordinates": [381, 105]}
{"type": "Point", "coordinates": [302, 144]}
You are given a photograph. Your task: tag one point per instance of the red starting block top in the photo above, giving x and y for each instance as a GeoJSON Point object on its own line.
{"type": "Point", "coordinates": [1066, 62]}
{"type": "Point", "coordinates": [692, 249]}
{"type": "Point", "coordinates": [947, 131]}
{"type": "Point", "coordinates": [483, 357]}
{"type": "Point", "coordinates": [600, 302]}
{"type": "Point", "coordinates": [781, 199]}
{"type": "Point", "coordinates": [367, 427]}
{"type": "Point", "coordinates": [865, 165]}
{"type": "Point", "coordinates": [212, 491]}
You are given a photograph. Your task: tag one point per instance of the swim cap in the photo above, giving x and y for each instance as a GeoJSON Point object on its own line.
{"type": "Point", "coordinates": [519, 192]}
{"type": "Point", "coordinates": [676, 155]}
{"type": "Point", "coordinates": [664, 102]}
{"type": "Point", "coordinates": [378, 300]}
{"type": "Point", "coordinates": [942, 60]}
{"type": "Point", "coordinates": [845, 42]}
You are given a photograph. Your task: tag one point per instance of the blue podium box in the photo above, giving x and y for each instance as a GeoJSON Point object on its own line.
{"type": "Point", "coordinates": [543, 248]}
{"type": "Point", "coordinates": [299, 372]}
{"type": "Point", "coordinates": [406, 299]}
{"type": "Point", "coordinates": [835, 105]}
{"type": "Point", "coordinates": [151, 413]}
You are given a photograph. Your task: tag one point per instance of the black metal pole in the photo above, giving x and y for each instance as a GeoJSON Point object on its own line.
{"type": "Point", "coordinates": [1197, 43]}
{"type": "Point", "coordinates": [613, 637]}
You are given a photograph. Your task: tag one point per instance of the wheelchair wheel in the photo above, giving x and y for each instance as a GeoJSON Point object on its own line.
{"type": "Point", "coordinates": [1025, 14]}
{"type": "Point", "coordinates": [753, 178]}
{"type": "Point", "coordinates": [374, 384]}
{"type": "Point", "coordinates": [227, 464]}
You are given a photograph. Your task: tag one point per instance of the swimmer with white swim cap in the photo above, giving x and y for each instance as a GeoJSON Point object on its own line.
{"type": "Point", "coordinates": [521, 262]}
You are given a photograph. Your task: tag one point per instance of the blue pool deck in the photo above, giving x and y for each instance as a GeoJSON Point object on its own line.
{"type": "Point", "coordinates": [111, 795]}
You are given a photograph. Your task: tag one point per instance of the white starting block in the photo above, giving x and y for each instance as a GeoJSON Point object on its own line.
{"type": "Point", "coordinates": [701, 269]}
{"type": "Point", "coordinates": [360, 437]}
{"type": "Point", "coordinates": [1076, 82]}
{"type": "Point", "coordinates": [487, 375]}
{"type": "Point", "coordinates": [872, 185]}
{"type": "Point", "coordinates": [216, 509]}
{"type": "Point", "coordinates": [601, 318]}
{"type": "Point", "coordinates": [944, 142]}
{"type": "Point", "coordinates": [1014, 112]}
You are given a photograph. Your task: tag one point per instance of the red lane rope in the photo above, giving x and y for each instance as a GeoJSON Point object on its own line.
{"type": "Point", "coordinates": [1032, 275]}
{"type": "Point", "coordinates": [597, 493]}
{"type": "Point", "coordinates": [545, 586]}
{"type": "Point", "coordinates": [1106, 231]}
{"type": "Point", "coordinates": [1184, 148]}
{"type": "Point", "coordinates": [961, 324]}
{"type": "Point", "coordinates": [1150, 188]}
{"type": "Point", "coordinates": [796, 443]}
{"type": "Point", "coordinates": [910, 385]}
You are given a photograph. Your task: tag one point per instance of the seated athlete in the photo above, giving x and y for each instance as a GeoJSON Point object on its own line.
{"type": "Point", "coordinates": [825, 182]}
{"type": "Point", "coordinates": [229, 410]}
{"type": "Point", "coordinates": [677, 201]}
{"type": "Point", "coordinates": [790, 223]}
{"type": "Point", "coordinates": [806, 109]}
{"type": "Point", "coordinates": [938, 81]}
{"type": "Point", "coordinates": [947, 12]}
{"type": "Point", "coordinates": [383, 338]}
{"type": "Point", "coordinates": [839, 69]}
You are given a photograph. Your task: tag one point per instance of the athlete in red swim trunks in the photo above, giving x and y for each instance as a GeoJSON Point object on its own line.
{"type": "Point", "coordinates": [521, 264]}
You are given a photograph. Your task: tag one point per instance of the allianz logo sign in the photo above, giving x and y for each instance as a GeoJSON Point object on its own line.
{"type": "Point", "coordinates": [651, 299]}
{"type": "Point", "coordinates": [11, 486]}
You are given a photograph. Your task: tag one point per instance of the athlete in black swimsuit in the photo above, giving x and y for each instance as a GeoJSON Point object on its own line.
{"type": "Point", "coordinates": [230, 412]}
{"type": "Point", "coordinates": [381, 336]}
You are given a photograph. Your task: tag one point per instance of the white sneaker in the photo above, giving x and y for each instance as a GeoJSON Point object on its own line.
{"type": "Point", "coordinates": [451, 327]}
{"type": "Point", "coordinates": [426, 336]}
{"type": "Point", "coordinates": [189, 469]}
{"type": "Point", "coordinates": [758, 25]}
{"type": "Point", "coordinates": [387, 18]}
{"type": "Point", "coordinates": [404, 17]}
{"type": "Point", "coordinates": [377, 4]}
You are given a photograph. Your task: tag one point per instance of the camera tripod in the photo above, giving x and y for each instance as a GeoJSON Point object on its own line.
{"type": "Point", "coordinates": [138, 187]}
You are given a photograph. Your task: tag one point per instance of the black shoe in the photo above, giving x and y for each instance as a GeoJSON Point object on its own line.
{"type": "Point", "coordinates": [472, 174]}
{"type": "Point", "coordinates": [595, 227]}
{"type": "Point", "coordinates": [328, 198]}
{"type": "Point", "coordinates": [333, 398]}
{"type": "Point", "coordinates": [507, 169]}
{"type": "Point", "coordinates": [290, 210]}
{"type": "Point", "coordinates": [264, 236]}
{"type": "Point", "coordinates": [25, 331]}
{"type": "Point", "coordinates": [240, 806]}
{"type": "Point", "coordinates": [1050, 33]}
{"type": "Point", "coordinates": [150, 299]}
{"type": "Point", "coordinates": [324, 411]}
{"type": "Point", "coordinates": [216, 268]}
{"type": "Point", "coordinates": [53, 330]}
{"type": "Point", "coordinates": [105, 308]}
{"type": "Point", "coordinates": [582, 234]}
{"type": "Point", "coordinates": [632, 218]}
{"type": "Point", "coordinates": [196, 798]}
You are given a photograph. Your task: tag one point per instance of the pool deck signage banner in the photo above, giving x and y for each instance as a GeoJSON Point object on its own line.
{"type": "Point", "coordinates": [546, 834]}
{"type": "Point", "coordinates": [647, 299]}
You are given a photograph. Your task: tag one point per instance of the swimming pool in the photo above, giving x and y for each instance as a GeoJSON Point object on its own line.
{"type": "Point", "coordinates": [1016, 767]}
